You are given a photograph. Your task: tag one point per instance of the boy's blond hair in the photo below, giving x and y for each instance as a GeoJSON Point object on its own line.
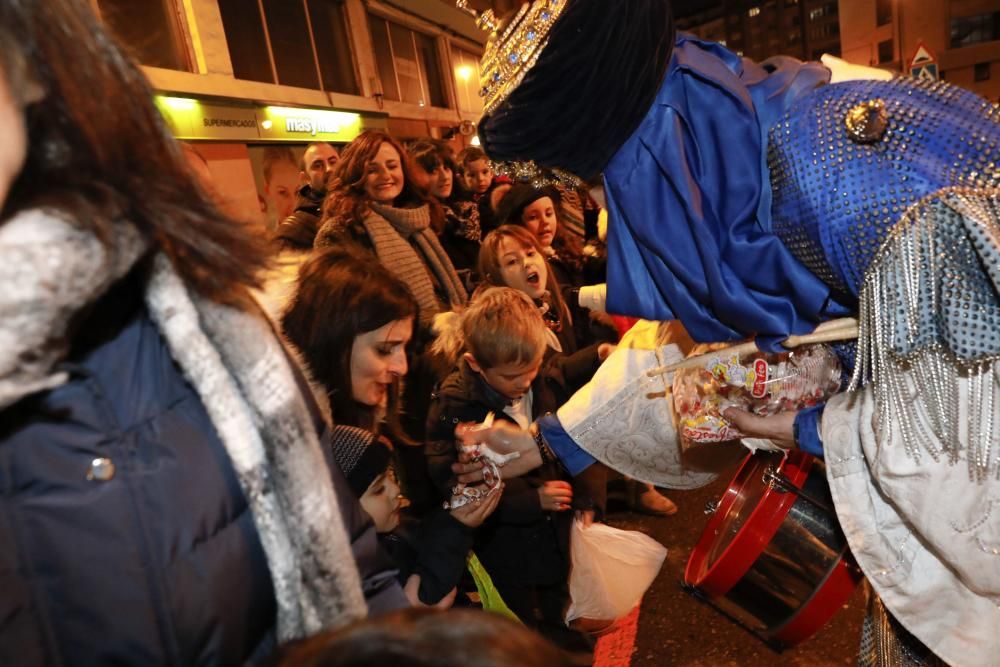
{"type": "Point", "coordinates": [500, 325]}
{"type": "Point", "coordinates": [503, 326]}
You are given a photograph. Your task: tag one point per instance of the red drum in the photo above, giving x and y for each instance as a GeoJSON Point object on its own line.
{"type": "Point", "coordinates": [773, 557]}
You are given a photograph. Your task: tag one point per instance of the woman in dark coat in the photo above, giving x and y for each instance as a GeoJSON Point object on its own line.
{"type": "Point", "coordinates": [164, 498]}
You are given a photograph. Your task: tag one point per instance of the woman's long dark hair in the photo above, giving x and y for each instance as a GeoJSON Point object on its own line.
{"type": "Point", "coordinates": [589, 90]}
{"type": "Point", "coordinates": [432, 153]}
{"type": "Point", "coordinates": [346, 199]}
{"type": "Point", "coordinates": [99, 150]}
{"type": "Point", "coordinates": [340, 296]}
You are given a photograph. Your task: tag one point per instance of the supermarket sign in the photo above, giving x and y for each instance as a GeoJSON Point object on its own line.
{"type": "Point", "coordinates": [190, 118]}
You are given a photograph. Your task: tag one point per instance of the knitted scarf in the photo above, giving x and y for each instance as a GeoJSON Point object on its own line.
{"type": "Point", "coordinates": [390, 230]}
{"type": "Point", "coordinates": [51, 271]}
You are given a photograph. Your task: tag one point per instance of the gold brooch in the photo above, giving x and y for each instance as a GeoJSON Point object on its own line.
{"type": "Point", "coordinates": [867, 122]}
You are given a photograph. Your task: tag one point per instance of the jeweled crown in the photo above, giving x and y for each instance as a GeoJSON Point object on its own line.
{"type": "Point", "coordinates": [513, 48]}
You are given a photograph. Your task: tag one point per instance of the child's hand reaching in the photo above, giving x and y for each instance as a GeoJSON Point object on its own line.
{"type": "Point", "coordinates": [555, 495]}
{"type": "Point", "coordinates": [473, 514]}
{"type": "Point", "coordinates": [412, 592]}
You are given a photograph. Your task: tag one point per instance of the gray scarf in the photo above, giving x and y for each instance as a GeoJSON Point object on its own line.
{"type": "Point", "coordinates": [51, 270]}
{"type": "Point", "coordinates": [390, 230]}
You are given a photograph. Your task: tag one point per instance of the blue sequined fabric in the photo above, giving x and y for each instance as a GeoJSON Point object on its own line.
{"type": "Point", "coordinates": [836, 197]}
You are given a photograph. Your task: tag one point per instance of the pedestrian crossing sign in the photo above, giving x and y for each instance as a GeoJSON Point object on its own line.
{"type": "Point", "coordinates": [923, 64]}
{"type": "Point", "coordinates": [927, 71]}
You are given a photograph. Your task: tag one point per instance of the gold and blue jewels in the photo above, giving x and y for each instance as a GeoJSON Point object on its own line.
{"type": "Point", "coordinates": [511, 52]}
{"type": "Point", "coordinates": [867, 122]}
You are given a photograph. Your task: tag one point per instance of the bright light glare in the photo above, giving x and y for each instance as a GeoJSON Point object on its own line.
{"type": "Point", "coordinates": [179, 103]}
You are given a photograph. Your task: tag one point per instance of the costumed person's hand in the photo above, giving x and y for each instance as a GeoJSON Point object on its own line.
{"type": "Point", "coordinates": [604, 350]}
{"type": "Point", "coordinates": [503, 438]}
{"type": "Point", "coordinates": [556, 495]}
{"type": "Point", "coordinates": [586, 517]}
{"type": "Point", "coordinates": [473, 514]}
{"type": "Point", "coordinates": [778, 428]}
{"type": "Point", "coordinates": [412, 592]}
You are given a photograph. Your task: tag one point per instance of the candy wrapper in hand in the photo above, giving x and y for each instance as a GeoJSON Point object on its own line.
{"type": "Point", "coordinates": [761, 383]}
{"type": "Point", "coordinates": [462, 494]}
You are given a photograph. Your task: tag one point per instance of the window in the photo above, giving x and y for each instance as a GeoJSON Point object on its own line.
{"type": "Point", "coordinates": [824, 31]}
{"type": "Point", "coordinates": [981, 72]}
{"type": "Point", "coordinates": [407, 64]}
{"type": "Point", "coordinates": [333, 46]}
{"type": "Point", "coordinates": [969, 30]}
{"type": "Point", "coordinates": [275, 41]}
{"type": "Point", "coordinates": [793, 38]}
{"type": "Point", "coordinates": [291, 46]}
{"type": "Point", "coordinates": [467, 81]}
{"type": "Point", "coordinates": [151, 31]}
{"type": "Point", "coordinates": [886, 52]}
{"type": "Point", "coordinates": [753, 11]}
{"type": "Point", "coordinates": [883, 12]}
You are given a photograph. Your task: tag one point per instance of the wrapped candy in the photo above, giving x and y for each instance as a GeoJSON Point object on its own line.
{"type": "Point", "coordinates": [761, 383]}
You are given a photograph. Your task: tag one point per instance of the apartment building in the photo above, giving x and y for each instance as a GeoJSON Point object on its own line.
{"type": "Point", "coordinates": [963, 36]}
{"type": "Point", "coordinates": [759, 29]}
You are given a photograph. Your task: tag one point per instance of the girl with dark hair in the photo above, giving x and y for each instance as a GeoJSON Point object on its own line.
{"type": "Point", "coordinates": [169, 494]}
{"type": "Point", "coordinates": [352, 321]}
{"type": "Point", "coordinates": [434, 171]}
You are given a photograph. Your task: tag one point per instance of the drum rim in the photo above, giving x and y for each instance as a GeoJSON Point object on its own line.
{"type": "Point", "coordinates": [756, 532]}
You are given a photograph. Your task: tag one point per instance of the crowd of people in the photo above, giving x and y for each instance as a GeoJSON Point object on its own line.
{"type": "Point", "coordinates": [215, 445]}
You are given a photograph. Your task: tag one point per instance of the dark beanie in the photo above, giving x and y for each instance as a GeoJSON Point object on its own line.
{"type": "Point", "coordinates": [589, 90]}
{"type": "Point", "coordinates": [361, 455]}
{"type": "Point", "coordinates": [519, 198]}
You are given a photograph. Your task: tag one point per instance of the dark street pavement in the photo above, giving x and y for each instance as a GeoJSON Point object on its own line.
{"type": "Point", "coordinates": [676, 629]}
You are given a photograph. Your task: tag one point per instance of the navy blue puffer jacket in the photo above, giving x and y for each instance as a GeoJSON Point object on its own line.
{"type": "Point", "coordinates": [154, 562]}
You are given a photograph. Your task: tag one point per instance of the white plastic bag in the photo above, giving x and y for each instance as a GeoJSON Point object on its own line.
{"type": "Point", "coordinates": [611, 570]}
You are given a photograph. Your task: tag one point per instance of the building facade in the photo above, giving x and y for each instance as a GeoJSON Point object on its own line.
{"type": "Point", "coordinates": [759, 29]}
{"type": "Point", "coordinates": [961, 36]}
{"type": "Point", "coordinates": [250, 82]}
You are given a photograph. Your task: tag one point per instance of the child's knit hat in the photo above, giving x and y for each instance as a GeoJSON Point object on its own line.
{"type": "Point", "coordinates": [361, 455]}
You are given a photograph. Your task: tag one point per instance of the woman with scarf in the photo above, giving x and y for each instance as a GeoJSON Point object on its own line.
{"type": "Point", "coordinates": [374, 206]}
{"type": "Point", "coordinates": [164, 496]}
{"type": "Point", "coordinates": [434, 171]}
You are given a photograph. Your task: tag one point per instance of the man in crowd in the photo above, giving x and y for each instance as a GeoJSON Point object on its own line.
{"type": "Point", "coordinates": [298, 230]}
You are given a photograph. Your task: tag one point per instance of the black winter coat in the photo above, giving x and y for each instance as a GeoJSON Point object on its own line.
{"type": "Point", "coordinates": [519, 541]}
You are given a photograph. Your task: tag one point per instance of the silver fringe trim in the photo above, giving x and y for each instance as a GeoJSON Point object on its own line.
{"type": "Point", "coordinates": [906, 289]}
